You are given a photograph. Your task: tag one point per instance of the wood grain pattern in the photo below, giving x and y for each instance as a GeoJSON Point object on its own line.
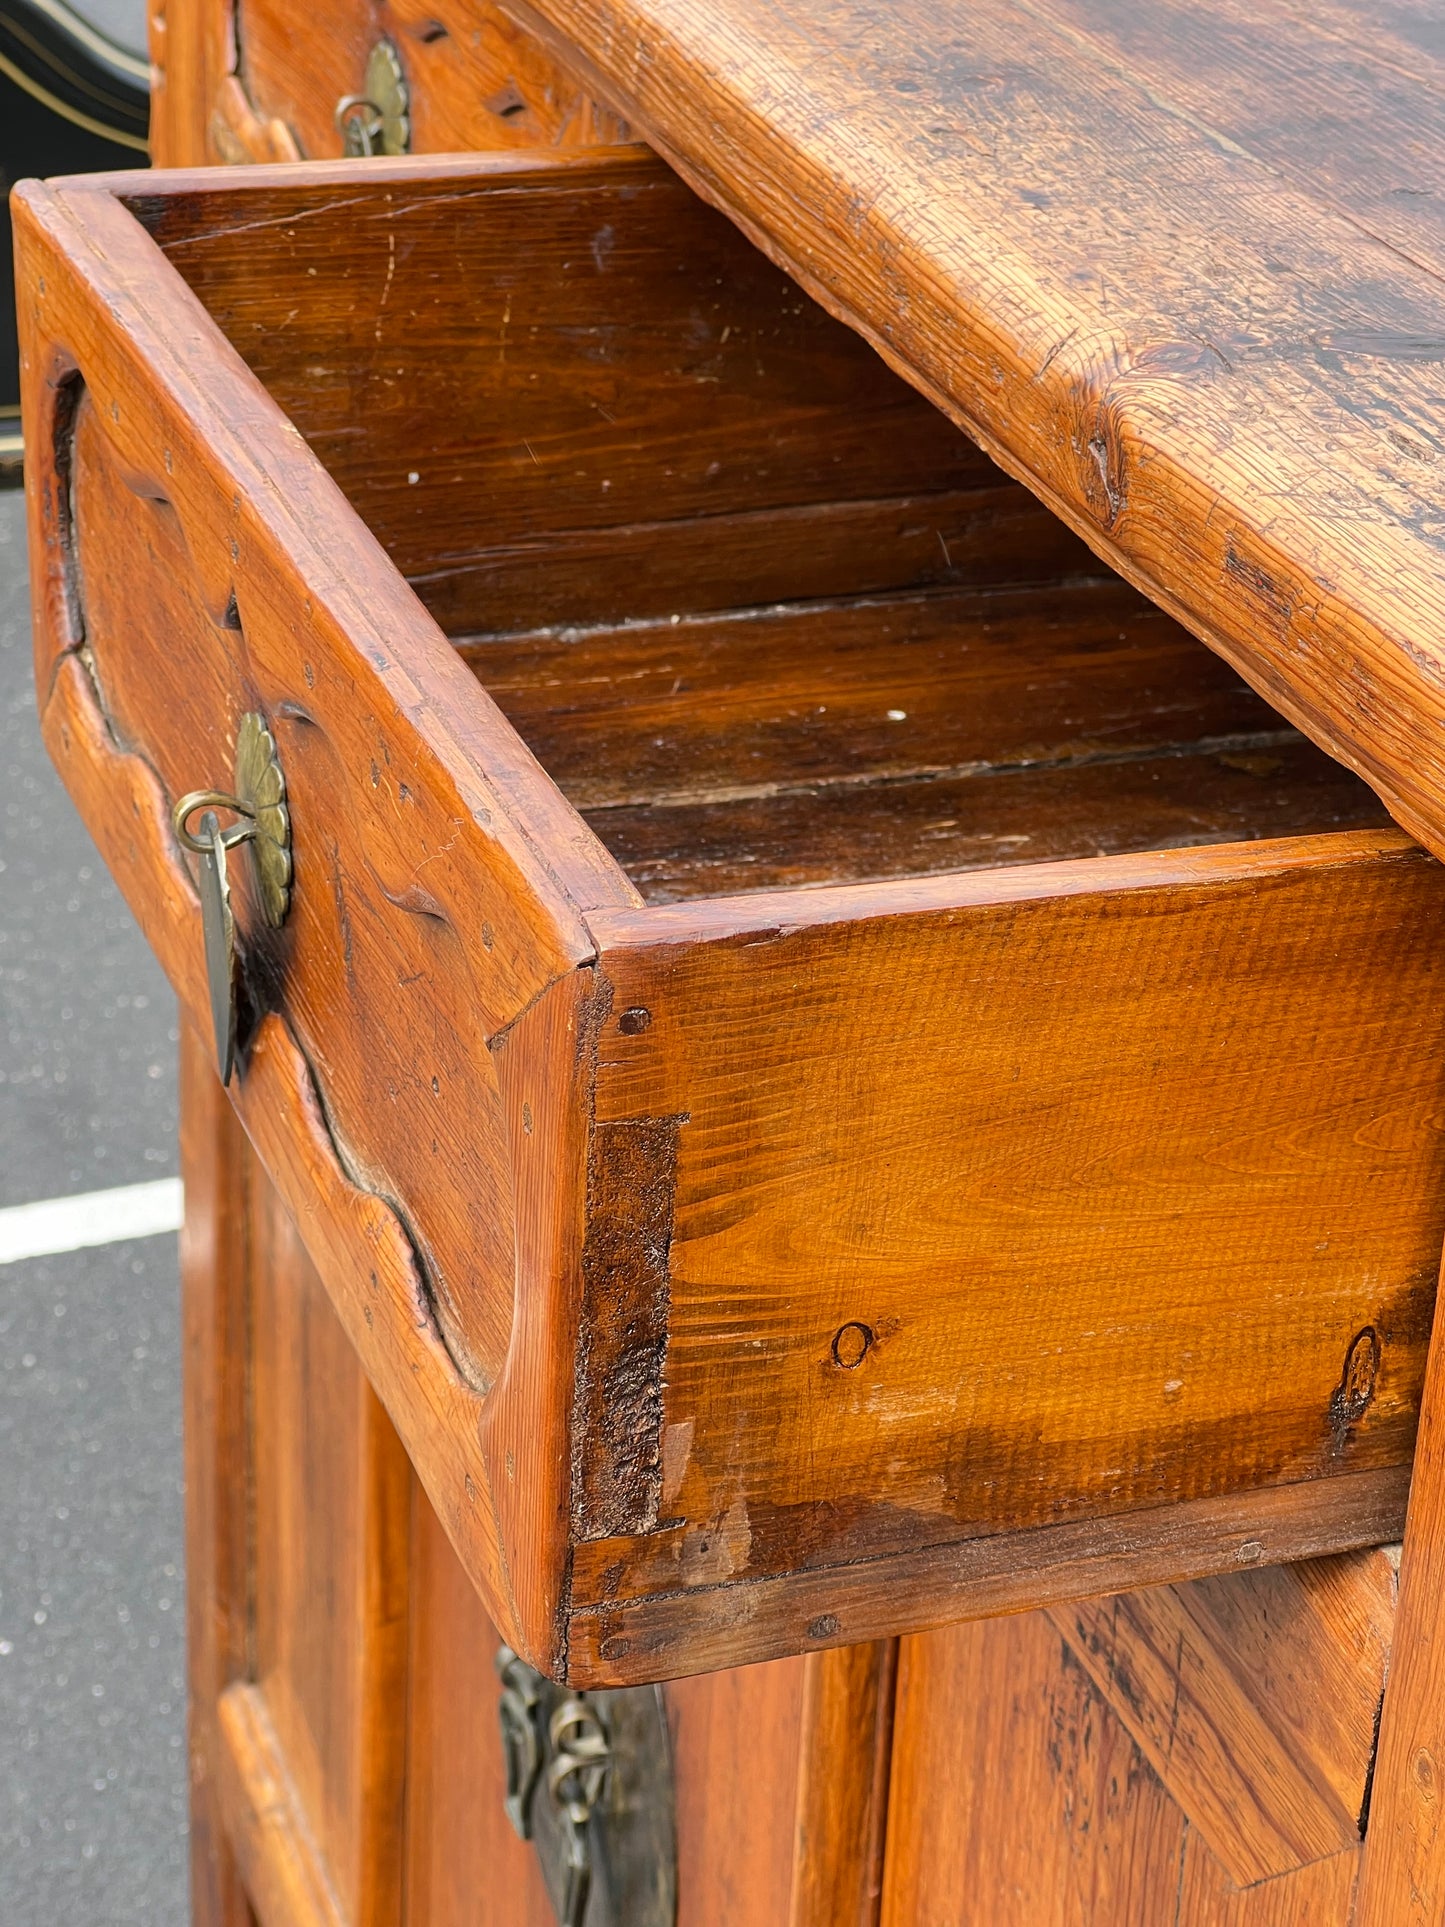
{"type": "Point", "coordinates": [1255, 1698]}
{"type": "Point", "coordinates": [1054, 1819]}
{"type": "Point", "coordinates": [331, 1505]}
{"type": "Point", "coordinates": [931, 825]}
{"type": "Point", "coordinates": [735, 1740]}
{"type": "Point", "coordinates": [476, 79]}
{"type": "Point", "coordinates": [949, 1107]}
{"type": "Point", "coordinates": [1402, 1879]}
{"type": "Point", "coordinates": [360, 1249]}
{"type": "Point", "coordinates": [215, 1323]}
{"type": "Point", "coordinates": [969, 1145]}
{"type": "Point", "coordinates": [383, 906]}
{"type": "Point", "coordinates": [236, 84]}
{"type": "Point", "coordinates": [286, 1877]}
{"type": "Point", "coordinates": [191, 51]}
{"type": "Point", "coordinates": [565, 390]}
{"type": "Point", "coordinates": [660, 1633]}
{"type": "Point", "coordinates": [837, 741]}
{"type": "Point", "coordinates": [465, 1866]}
{"type": "Point", "coordinates": [844, 1772]}
{"type": "Point", "coordinates": [1174, 1757]}
{"type": "Point", "coordinates": [1317, 1895]}
{"type": "Point", "coordinates": [1207, 372]}
{"type": "Point", "coordinates": [952, 681]}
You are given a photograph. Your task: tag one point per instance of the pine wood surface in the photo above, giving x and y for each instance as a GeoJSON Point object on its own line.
{"type": "Point", "coordinates": [882, 1189]}
{"type": "Point", "coordinates": [1222, 377]}
{"type": "Point", "coordinates": [578, 1197]}
{"type": "Point", "coordinates": [1175, 417]}
{"type": "Point", "coordinates": [1402, 1882]}
{"type": "Point", "coordinates": [215, 1326]}
{"type": "Point", "coordinates": [550, 389]}
{"type": "Point", "coordinates": [905, 734]}
{"type": "Point", "coordinates": [475, 79]}
{"type": "Point", "coordinates": [1206, 1767]}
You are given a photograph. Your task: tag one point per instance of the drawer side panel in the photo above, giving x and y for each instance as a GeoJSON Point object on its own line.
{"type": "Point", "coordinates": [1065, 1206]}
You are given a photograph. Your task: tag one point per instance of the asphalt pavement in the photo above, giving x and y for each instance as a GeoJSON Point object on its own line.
{"type": "Point", "coordinates": [92, 1663]}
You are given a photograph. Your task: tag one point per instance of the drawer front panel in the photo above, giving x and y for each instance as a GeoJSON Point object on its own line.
{"type": "Point", "coordinates": [474, 79]}
{"type": "Point", "coordinates": [193, 563]}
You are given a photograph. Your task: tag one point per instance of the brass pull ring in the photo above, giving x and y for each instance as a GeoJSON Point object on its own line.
{"type": "Point", "coordinates": [195, 800]}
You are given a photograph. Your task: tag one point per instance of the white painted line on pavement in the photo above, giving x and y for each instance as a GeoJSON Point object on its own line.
{"type": "Point", "coordinates": [53, 1225]}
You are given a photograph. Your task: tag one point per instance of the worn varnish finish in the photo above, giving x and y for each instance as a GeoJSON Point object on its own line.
{"type": "Point", "coordinates": [1403, 1878]}
{"type": "Point", "coordinates": [752, 1274]}
{"type": "Point", "coordinates": [767, 622]}
{"type": "Point", "coordinates": [1196, 1756]}
{"type": "Point", "coordinates": [571, 393]}
{"type": "Point", "coordinates": [864, 1178]}
{"type": "Point", "coordinates": [215, 1327]}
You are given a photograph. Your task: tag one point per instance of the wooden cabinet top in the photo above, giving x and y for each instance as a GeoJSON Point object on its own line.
{"type": "Point", "coordinates": [1179, 268]}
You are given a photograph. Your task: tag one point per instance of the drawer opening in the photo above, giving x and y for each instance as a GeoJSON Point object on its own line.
{"type": "Point", "coordinates": [765, 616]}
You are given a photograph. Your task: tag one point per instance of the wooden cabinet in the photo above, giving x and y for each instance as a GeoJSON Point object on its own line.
{"type": "Point", "coordinates": [1197, 1754]}
{"type": "Point", "coordinates": [823, 1070]}
{"type": "Point", "coordinates": [855, 1068]}
{"type": "Point", "coordinates": [1207, 1745]}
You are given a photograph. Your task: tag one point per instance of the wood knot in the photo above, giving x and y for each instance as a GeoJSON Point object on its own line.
{"type": "Point", "coordinates": [1352, 1397]}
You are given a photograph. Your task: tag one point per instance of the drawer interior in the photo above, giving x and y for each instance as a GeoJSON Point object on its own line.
{"type": "Point", "coordinates": [765, 616]}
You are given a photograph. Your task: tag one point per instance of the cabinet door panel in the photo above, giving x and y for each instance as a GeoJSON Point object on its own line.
{"type": "Point", "coordinates": [1197, 1755]}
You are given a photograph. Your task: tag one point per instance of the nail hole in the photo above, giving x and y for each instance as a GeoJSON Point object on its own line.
{"type": "Point", "coordinates": [634, 1021]}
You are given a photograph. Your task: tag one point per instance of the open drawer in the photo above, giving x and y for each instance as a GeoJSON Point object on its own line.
{"type": "Point", "coordinates": [840, 1069]}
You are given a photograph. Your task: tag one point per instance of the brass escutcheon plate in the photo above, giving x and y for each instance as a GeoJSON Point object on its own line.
{"type": "Point", "coordinates": [377, 120]}
{"type": "Point", "coordinates": [261, 787]}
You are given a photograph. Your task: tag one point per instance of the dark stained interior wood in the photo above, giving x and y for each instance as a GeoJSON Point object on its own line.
{"type": "Point", "coordinates": [825, 639]}
{"type": "Point", "coordinates": [576, 393]}
{"type": "Point", "coordinates": [1188, 292]}
{"type": "Point", "coordinates": [907, 736]}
